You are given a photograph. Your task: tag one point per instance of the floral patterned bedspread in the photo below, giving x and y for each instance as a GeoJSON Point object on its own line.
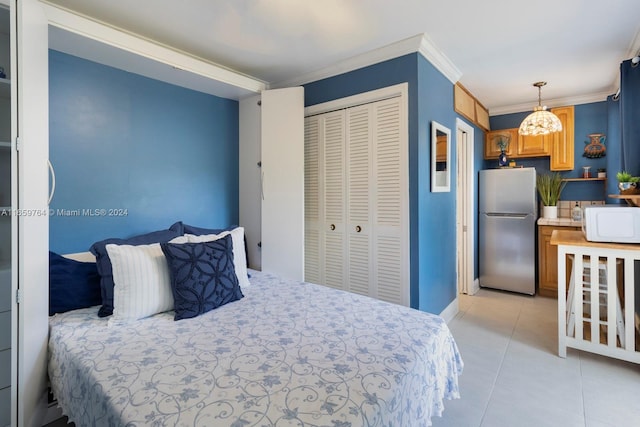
{"type": "Point", "coordinates": [287, 354]}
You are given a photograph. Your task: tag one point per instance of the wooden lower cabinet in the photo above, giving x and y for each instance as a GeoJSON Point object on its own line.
{"type": "Point", "coordinates": [548, 261]}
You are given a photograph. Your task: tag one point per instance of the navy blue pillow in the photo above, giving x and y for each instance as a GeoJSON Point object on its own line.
{"type": "Point", "coordinates": [198, 231]}
{"type": "Point", "coordinates": [178, 227]}
{"type": "Point", "coordinates": [203, 276]}
{"type": "Point", "coordinates": [72, 284]}
{"type": "Point", "coordinates": [104, 263]}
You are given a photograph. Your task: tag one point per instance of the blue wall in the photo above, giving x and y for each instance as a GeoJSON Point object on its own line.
{"type": "Point", "coordinates": [589, 118]}
{"type": "Point", "coordinates": [436, 211]}
{"type": "Point", "coordinates": [122, 141]}
{"type": "Point", "coordinates": [432, 216]}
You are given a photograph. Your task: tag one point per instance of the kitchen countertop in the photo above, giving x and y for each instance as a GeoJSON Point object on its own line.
{"type": "Point", "coordinates": [576, 238]}
{"type": "Point", "coordinates": [561, 222]}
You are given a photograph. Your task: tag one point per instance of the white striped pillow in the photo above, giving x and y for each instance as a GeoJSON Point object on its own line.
{"type": "Point", "coordinates": [142, 285]}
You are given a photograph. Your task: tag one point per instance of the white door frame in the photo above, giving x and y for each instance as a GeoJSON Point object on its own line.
{"type": "Point", "coordinates": [465, 229]}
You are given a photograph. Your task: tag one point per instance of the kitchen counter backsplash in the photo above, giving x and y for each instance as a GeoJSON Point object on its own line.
{"type": "Point", "coordinates": [565, 208]}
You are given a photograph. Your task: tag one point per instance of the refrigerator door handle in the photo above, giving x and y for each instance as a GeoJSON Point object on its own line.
{"type": "Point", "coordinates": [507, 215]}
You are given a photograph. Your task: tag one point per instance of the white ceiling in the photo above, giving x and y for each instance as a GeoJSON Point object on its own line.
{"type": "Point", "coordinates": [500, 46]}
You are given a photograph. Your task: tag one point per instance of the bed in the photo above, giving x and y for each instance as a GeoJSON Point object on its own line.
{"type": "Point", "coordinates": [287, 353]}
{"type": "Point", "coordinates": [184, 338]}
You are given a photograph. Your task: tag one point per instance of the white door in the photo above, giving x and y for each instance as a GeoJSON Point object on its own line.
{"type": "Point", "coordinates": [249, 178]}
{"type": "Point", "coordinates": [390, 200]}
{"type": "Point", "coordinates": [464, 207]}
{"type": "Point", "coordinates": [312, 204]}
{"type": "Point", "coordinates": [282, 140]}
{"type": "Point", "coordinates": [30, 112]}
{"type": "Point", "coordinates": [7, 168]}
{"type": "Point", "coordinates": [324, 199]}
{"type": "Point", "coordinates": [360, 182]}
{"type": "Point", "coordinates": [357, 222]}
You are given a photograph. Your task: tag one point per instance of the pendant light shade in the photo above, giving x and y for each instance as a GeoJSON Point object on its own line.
{"type": "Point", "coordinates": [541, 121]}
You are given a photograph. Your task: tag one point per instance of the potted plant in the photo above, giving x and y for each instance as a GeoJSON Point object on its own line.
{"type": "Point", "coordinates": [550, 187]}
{"type": "Point", "coordinates": [627, 183]}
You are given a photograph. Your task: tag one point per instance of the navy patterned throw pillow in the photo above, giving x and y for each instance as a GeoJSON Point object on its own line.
{"type": "Point", "coordinates": [203, 276]}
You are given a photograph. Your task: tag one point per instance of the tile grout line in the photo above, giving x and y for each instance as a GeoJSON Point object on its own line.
{"type": "Point", "coordinates": [504, 355]}
{"type": "Point", "coordinates": [584, 408]}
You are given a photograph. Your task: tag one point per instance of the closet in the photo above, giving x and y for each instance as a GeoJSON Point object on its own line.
{"type": "Point", "coordinates": [356, 196]}
{"type": "Point", "coordinates": [271, 181]}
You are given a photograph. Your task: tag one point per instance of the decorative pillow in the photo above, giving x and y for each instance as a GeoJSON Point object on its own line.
{"type": "Point", "coordinates": [239, 255]}
{"type": "Point", "coordinates": [141, 280]}
{"type": "Point", "coordinates": [178, 227]}
{"type": "Point", "coordinates": [104, 263]}
{"type": "Point", "coordinates": [199, 231]}
{"type": "Point", "coordinates": [72, 284]}
{"type": "Point", "coordinates": [202, 276]}
{"type": "Point", "coordinates": [190, 229]}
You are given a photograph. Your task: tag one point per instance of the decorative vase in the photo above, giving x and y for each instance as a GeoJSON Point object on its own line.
{"type": "Point", "coordinates": [502, 159]}
{"type": "Point", "coordinates": [595, 147]}
{"type": "Point", "coordinates": [550, 212]}
{"type": "Point", "coordinates": [627, 187]}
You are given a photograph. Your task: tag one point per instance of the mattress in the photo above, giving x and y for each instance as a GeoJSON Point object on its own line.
{"type": "Point", "coordinates": [288, 353]}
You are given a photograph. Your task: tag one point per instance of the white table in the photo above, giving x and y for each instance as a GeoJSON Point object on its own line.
{"type": "Point", "coordinates": [573, 243]}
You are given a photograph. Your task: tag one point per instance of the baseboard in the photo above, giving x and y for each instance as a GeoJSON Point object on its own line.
{"type": "Point", "coordinates": [475, 287]}
{"type": "Point", "coordinates": [450, 312]}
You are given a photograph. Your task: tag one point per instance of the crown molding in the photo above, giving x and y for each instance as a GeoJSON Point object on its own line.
{"type": "Point", "coordinates": [438, 59]}
{"type": "Point", "coordinates": [552, 103]}
{"type": "Point", "coordinates": [155, 57]}
{"type": "Point", "coordinates": [372, 57]}
{"type": "Point", "coordinates": [420, 43]}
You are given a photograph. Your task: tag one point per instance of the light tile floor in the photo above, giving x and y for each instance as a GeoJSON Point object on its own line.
{"type": "Point", "coordinates": [514, 377]}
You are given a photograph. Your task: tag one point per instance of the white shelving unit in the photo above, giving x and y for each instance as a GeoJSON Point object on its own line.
{"type": "Point", "coordinates": [5, 223]}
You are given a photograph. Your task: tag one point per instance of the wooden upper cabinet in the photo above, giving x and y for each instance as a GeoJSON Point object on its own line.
{"type": "Point", "coordinates": [559, 146]}
{"type": "Point", "coordinates": [482, 116]}
{"type": "Point", "coordinates": [533, 146]}
{"type": "Point", "coordinates": [562, 143]}
{"type": "Point", "coordinates": [491, 149]}
{"type": "Point", "coordinates": [465, 104]}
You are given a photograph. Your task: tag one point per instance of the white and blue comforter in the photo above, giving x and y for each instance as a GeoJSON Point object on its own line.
{"type": "Point", "coordinates": [287, 354]}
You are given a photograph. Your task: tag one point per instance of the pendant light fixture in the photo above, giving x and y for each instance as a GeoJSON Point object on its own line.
{"type": "Point", "coordinates": [541, 121]}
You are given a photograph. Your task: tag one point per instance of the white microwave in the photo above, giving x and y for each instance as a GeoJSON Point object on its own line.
{"type": "Point", "coordinates": [616, 224]}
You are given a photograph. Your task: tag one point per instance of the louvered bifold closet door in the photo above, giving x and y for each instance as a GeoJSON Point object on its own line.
{"type": "Point", "coordinates": [333, 152]}
{"type": "Point", "coordinates": [312, 203]}
{"type": "Point", "coordinates": [358, 145]}
{"type": "Point", "coordinates": [356, 200]}
{"type": "Point", "coordinates": [389, 196]}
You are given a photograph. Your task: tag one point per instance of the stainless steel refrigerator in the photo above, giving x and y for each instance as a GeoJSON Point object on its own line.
{"type": "Point", "coordinates": [507, 228]}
